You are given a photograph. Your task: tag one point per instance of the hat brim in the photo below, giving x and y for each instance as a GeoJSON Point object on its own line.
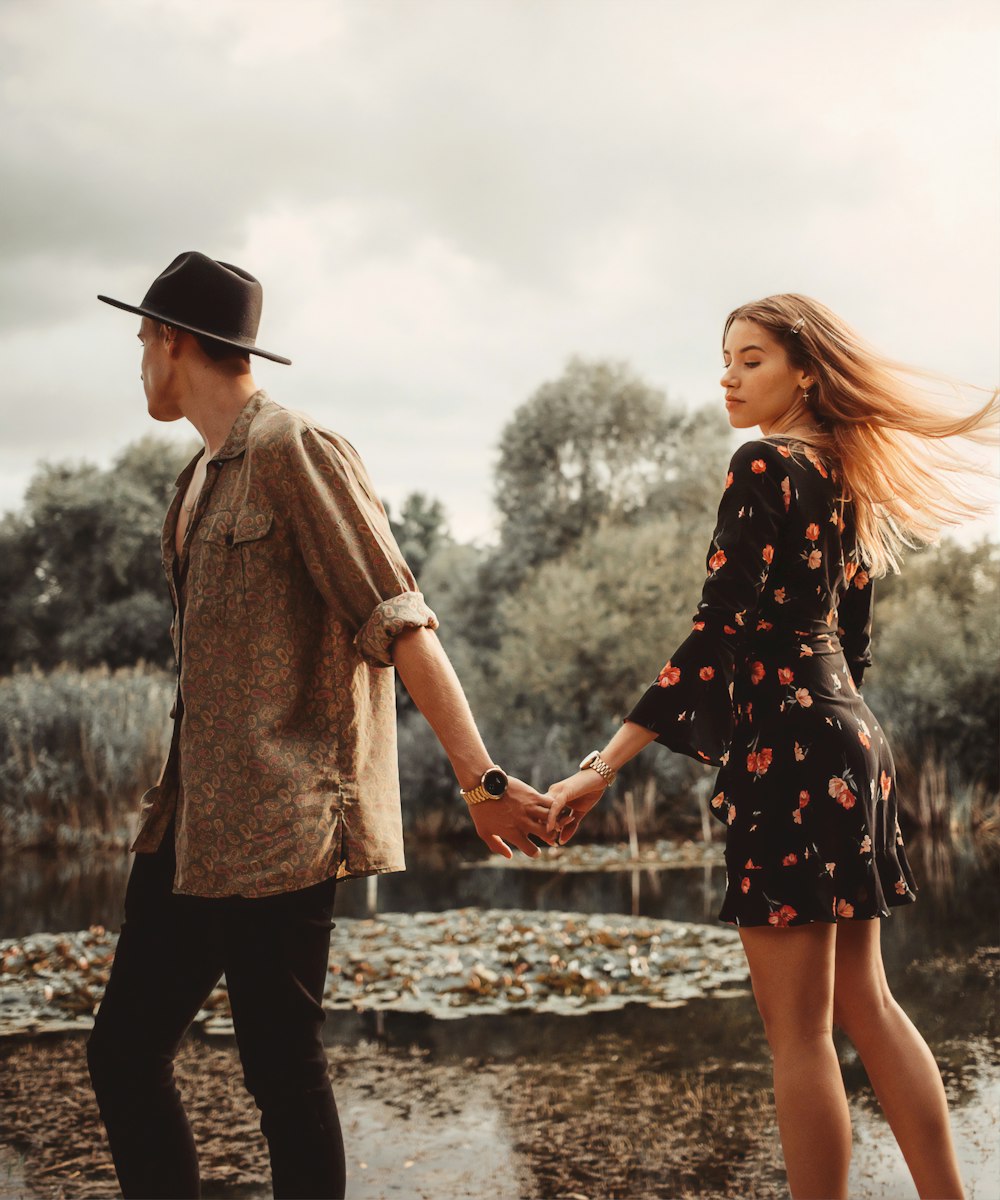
{"type": "Point", "coordinates": [239, 343]}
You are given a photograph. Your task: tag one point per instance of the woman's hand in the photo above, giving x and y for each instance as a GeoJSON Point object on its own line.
{"type": "Point", "coordinates": [572, 799]}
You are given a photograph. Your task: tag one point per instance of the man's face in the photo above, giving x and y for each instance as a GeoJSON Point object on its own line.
{"type": "Point", "coordinates": [158, 373]}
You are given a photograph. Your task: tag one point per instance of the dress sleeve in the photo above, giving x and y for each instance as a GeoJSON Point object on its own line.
{"type": "Point", "coordinates": [689, 706]}
{"type": "Point", "coordinates": [854, 624]}
{"type": "Point", "coordinates": [343, 534]}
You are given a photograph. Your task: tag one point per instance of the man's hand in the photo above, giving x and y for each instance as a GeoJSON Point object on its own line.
{"type": "Point", "coordinates": [573, 798]}
{"type": "Point", "coordinates": [519, 811]}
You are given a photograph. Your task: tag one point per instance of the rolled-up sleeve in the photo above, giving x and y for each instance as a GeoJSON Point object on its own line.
{"type": "Point", "coordinates": [343, 534]}
{"type": "Point", "coordinates": [388, 620]}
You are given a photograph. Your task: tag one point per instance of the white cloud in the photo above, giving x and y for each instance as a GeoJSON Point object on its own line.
{"type": "Point", "coordinates": [446, 200]}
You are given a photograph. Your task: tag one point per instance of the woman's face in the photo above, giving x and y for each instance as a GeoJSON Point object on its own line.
{"type": "Point", "coordinates": [761, 384]}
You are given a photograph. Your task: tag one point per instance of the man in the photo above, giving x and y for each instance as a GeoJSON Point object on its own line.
{"type": "Point", "coordinates": [291, 600]}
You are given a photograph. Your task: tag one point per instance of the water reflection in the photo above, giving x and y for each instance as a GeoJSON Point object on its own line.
{"type": "Point", "coordinates": [957, 905]}
{"type": "Point", "coordinates": [42, 892]}
{"type": "Point", "coordinates": [680, 894]}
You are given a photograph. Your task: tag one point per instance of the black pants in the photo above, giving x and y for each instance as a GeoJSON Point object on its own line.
{"type": "Point", "coordinates": [172, 952]}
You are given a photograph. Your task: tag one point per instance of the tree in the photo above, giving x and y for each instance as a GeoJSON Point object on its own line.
{"type": "Point", "coordinates": [583, 639]}
{"type": "Point", "coordinates": [20, 635]}
{"type": "Point", "coordinates": [598, 444]}
{"type": "Point", "coordinates": [420, 529]}
{"type": "Point", "coordinates": [935, 682]}
{"type": "Point", "coordinates": [82, 580]}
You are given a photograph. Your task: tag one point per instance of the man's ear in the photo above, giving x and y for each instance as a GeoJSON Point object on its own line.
{"type": "Point", "coordinates": [171, 338]}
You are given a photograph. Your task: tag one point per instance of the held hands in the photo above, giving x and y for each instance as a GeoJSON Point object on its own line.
{"type": "Point", "coordinates": [572, 799]}
{"type": "Point", "coordinates": [519, 811]}
{"type": "Point", "coordinates": [553, 817]}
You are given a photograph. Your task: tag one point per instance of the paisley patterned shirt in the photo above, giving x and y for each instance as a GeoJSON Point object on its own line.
{"type": "Point", "coordinates": [282, 768]}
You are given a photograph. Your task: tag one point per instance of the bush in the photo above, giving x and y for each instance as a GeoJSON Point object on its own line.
{"type": "Point", "coordinates": [77, 749]}
{"type": "Point", "coordinates": [934, 683]}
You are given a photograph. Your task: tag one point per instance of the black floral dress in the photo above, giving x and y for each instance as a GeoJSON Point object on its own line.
{"type": "Point", "coordinates": [766, 688]}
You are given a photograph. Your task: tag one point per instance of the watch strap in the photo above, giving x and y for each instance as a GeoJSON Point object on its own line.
{"type": "Point", "coordinates": [594, 762]}
{"type": "Point", "coordinates": [477, 795]}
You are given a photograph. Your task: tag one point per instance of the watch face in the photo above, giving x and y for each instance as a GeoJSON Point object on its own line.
{"type": "Point", "coordinates": [495, 782]}
{"type": "Point", "coordinates": [589, 760]}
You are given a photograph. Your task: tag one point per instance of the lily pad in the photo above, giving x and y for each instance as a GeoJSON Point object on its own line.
{"type": "Point", "coordinates": [449, 964]}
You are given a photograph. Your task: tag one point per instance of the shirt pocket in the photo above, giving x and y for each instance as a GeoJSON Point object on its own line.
{"type": "Point", "coordinates": [215, 577]}
{"type": "Point", "coordinates": [254, 542]}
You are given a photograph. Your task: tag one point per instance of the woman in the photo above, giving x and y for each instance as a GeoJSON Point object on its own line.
{"type": "Point", "coordinates": [850, 467]}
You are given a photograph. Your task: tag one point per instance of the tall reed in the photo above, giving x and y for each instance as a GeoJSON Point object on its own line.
{"type": "Point", "coordinates": [77, 748]}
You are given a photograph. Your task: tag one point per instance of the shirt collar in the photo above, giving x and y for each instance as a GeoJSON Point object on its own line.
{"type": "Point", "coordinates": [236, 440]}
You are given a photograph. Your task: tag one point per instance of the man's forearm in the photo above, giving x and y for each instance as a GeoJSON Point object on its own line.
{"type": "Point", "coordinates": [435, 689]}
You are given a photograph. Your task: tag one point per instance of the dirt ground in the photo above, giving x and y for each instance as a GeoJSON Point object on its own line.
{"type": "Point", "coordinates": [417, 1127]}
{"type": "Point", "coordinates": [617, 1106]}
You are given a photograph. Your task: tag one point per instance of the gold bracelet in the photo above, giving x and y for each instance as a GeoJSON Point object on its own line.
{"type": "Point", "coordinates": [596, 763]}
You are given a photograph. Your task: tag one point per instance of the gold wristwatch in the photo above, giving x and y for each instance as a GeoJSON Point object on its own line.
{"type": "Point", "coordinates": [491, 787]}
{"type": "Point", "coordinates": [596, 763]}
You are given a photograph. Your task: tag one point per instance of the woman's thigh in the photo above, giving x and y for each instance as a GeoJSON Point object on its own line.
{"type": "Point", "coordinates": [861, 991]}
{"type": "Point", "coordinates": [792, 971]}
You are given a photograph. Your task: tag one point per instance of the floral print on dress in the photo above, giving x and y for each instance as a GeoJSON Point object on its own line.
{"type": "Point", "coordinates": [767, 688]}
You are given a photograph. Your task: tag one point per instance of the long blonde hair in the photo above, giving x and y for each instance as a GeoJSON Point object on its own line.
{"type": "Point", "coordinates": [882, 424]}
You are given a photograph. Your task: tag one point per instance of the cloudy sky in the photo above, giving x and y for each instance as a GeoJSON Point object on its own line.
{"type": "Point", "coordinates": [445, 200]}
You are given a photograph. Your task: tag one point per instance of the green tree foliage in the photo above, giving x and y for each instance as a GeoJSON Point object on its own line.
{"type": "Point", "coordinates": [583, 638]}
{"type": "Point", "coordinates": [587, 633]}
{"type": "Point", "coordinates": [607, 496]}
{"type": "Point", "coordinates": [934, 682]}
{"type": "Point", "coordinates": [598, 444]}
{"type": "Point", "coordinates": [20, 632]}
{"type": "Point", "coordinates": [420, 529]}
{"type": "Point", "coordinates": [81, 581]}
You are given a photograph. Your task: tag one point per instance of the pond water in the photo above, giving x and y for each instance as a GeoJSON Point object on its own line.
{"type": "Point", "coordinates": [956, 911]}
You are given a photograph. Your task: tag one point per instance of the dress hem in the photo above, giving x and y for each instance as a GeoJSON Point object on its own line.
{"type": "Point", "coordinates": [832, 919]}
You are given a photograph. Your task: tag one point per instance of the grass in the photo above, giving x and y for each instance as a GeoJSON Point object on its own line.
{"type": "Point", "coordinates": [77, 749]}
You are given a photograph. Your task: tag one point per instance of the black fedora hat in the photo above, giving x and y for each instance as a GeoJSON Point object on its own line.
{"type": "Point", "coordinates": [203, 296]}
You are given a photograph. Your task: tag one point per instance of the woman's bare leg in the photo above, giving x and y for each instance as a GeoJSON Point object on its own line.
{"type": "Point", "coordinates": [899, 1063]}
{"type": "Point", "coordinates": [792, 971]}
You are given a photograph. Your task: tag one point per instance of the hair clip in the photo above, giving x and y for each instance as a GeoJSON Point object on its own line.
{"type": "Point", "coordinates": [797, 327]}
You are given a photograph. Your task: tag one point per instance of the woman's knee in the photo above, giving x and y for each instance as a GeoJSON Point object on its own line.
{"type": "Point", "coordinates": [786, 1027]}
{"type": "Point", "coordinates": [862, 999]}
{"type": "Point", "coordinates": [861, 1010]}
